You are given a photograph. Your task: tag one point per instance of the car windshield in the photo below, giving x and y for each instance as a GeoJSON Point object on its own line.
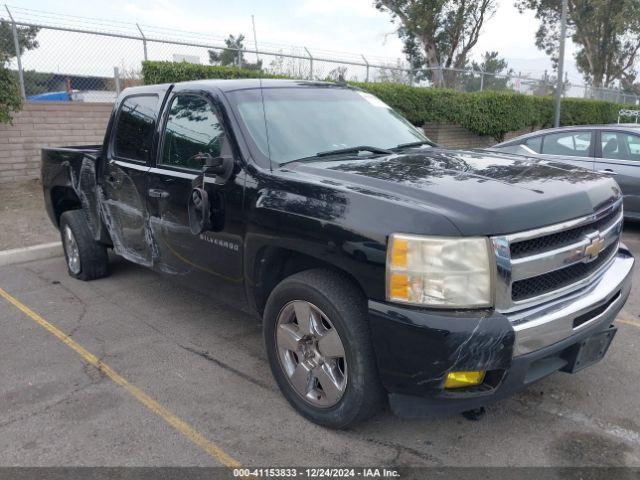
{"type": "Point", "coordinates": [304, 121]}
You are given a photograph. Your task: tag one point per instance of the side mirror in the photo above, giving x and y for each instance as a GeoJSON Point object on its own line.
{"type": "Point", "coordinates": [219, 167]}
{"type": "Point", "coordinates": [199, 211]}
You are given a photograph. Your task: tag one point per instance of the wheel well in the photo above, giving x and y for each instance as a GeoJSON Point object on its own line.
{"type": "Point", "coordinates": [274, 264]}
{"type": "Point", "coordinates": [63, 199]}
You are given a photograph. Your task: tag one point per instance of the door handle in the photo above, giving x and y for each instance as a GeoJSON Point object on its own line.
{"type": "Point", "coordinates": [608, 171]}
{"type": "Point", "coordinates": [157, 193]}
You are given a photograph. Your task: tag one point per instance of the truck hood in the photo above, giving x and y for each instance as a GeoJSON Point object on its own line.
{"type": "Point", "coordinates": [481, 193]}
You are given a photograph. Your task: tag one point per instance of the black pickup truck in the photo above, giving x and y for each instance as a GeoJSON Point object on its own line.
{"type": "Point", "coordinates": [384, 267]}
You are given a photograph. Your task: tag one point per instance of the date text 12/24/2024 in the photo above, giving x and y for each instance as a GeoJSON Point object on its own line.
{"type": "Point", "coordinates": [316, 472]}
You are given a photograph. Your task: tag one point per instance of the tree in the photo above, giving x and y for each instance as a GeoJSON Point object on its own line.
{"type": "Point", "coordinates": [10, 100]}
{"type": "Point", "coordinates": [607, 33]}
{"type": "Point", "coordinates": [26, 39]}
{"type": "Point", "coordinates": [394, 74]}
{"type": "Point", "coordinates": [494, 71]}
{"type": "Point", "coordinates": [438, 34]}
{"type": "Point", "coordinates": [629, 84]}
{"type": "Point", "coordinates": [233, 54]}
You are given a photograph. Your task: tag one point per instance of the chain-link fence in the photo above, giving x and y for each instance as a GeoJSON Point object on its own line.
{"type": "Point", "coordinates": [77, 59]}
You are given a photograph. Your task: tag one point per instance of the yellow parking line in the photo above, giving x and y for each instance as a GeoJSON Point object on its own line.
{"type": "Point", "coordinates": [180, 425]}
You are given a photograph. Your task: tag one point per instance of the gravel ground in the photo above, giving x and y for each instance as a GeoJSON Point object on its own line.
{"type": "Point", "coordinates": [23, 220]}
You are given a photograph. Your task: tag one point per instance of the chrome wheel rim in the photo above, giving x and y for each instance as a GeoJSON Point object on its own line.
{"type": "Point", "coordinates": [71, 249]}
{"type": "Point", "coordinates": [311, 354]}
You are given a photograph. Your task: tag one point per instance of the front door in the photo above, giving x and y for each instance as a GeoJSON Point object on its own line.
{"type": "Point", "coordinates": [620, 157]}
{"type": "Point", "coordinates": [193, 127]}
{"type": "Point", "coordinates": [124, 178]}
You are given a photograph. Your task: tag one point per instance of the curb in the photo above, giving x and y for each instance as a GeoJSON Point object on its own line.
{"type": "Point", "coordinates": [28, 254]}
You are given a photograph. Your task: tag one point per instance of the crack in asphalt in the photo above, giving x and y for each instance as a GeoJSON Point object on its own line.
{"type": "Point", "coordinates": [207, 356]}
{"type": "Point", "coordinates": [47, 407]}
{"type": "Point", "coordinates": [403, 449]}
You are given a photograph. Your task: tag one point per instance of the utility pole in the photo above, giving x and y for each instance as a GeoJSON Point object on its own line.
{"type": "Point", "coordinates": [560, 85]}
{"type": "Point", "coordinates": [255, 38]}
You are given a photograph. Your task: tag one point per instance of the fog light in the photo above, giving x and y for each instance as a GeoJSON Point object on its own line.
{"type": "Point", "coordinates": [464, 379]}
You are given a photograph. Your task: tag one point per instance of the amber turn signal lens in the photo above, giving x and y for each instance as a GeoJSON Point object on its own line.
{"type": "Point", "coordinates": [399, 253]}
{"type": "Point", "coordinates": [399, 285]}
{"type": "Point", "coordinates": [464, 379]}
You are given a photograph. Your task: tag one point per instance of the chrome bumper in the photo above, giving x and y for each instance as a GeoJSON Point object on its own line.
{"type": "Point", "coordinates": [551, 322]}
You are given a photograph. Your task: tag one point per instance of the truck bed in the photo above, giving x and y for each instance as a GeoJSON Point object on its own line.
{"type": "Point", "coordinates": [69, 179]}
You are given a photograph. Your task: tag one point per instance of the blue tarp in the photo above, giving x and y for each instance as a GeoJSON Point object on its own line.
{"type": "Point", "coordinates": [50, 97]}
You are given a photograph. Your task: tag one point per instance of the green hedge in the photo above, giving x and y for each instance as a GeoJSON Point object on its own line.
{"type": "Point", "coordinates": [483, 113]}
{"type": "Point", "coordinates": [170, 72]}
{"type": "Point", "coordinates": [490, 113]}
{"type": "Point", "coordinates": [10, 100]}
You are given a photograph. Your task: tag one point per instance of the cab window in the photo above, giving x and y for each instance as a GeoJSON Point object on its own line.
{"type": "Point", "coordinates": [135, 126]}
{"type": "Point", "coordinates": [192, 128]}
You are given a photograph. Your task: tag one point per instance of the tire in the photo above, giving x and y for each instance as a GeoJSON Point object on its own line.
{"type": "Point", "coordinates": [336, 307]}
{"type": "Point", "coordinates": [86, 259]}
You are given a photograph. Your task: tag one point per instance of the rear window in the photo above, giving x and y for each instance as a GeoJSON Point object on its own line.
{"type": "Point", "coordinates": [134, 130]}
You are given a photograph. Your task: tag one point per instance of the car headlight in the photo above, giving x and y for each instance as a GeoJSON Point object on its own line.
{"type": "Point", "coordinates": [453, 272]}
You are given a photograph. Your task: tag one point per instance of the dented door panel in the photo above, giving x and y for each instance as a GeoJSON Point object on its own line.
{"type": "Point", "coordinates": [125, 212]}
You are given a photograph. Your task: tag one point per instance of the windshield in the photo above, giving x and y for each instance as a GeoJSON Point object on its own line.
{"type": "Point", "coordinates": [302, 122]}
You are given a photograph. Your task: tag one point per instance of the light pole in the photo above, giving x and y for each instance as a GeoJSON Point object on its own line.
{"type": "Point", "coordinates": [255, 38]}
{"type": "Point", "coordinates": [559, 86]}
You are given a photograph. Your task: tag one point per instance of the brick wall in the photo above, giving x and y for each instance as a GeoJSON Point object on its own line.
{"type": "Point", "coordinates": [454, 136]}
{"type": "Point", "coordinates": [42, 124]}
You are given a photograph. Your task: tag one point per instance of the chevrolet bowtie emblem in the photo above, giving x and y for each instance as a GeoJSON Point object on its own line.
{"type": "Point", "coordinates": [593, 249]}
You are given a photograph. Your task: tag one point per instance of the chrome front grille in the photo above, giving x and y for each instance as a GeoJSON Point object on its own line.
{"type": "Point", "coordinates": [546, 263]}
{"type": "Point", "coordinates": [562, 238]}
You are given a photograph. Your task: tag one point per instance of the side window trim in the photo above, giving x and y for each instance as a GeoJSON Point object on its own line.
{"type": "Point", "coordinates": [165, 120]}
{"type": "Point", "coordinates": [112, 139]}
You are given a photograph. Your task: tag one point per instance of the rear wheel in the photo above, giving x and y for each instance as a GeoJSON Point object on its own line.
{"type": "Point", "coordinates": [317, 340]}
{"type": "Point", "coordinates": [86, 259]}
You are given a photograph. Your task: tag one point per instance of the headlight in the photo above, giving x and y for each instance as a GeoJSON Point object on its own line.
{"type": "Point", "coordinates": [439, 271]}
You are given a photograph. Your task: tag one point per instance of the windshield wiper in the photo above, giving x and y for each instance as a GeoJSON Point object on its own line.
{"type": "Point", "coordinates": [360, 148]}
{"type": "Point", "coordinates": [414, 144]}
{"type": "Point", "coordinates": [339, 151]}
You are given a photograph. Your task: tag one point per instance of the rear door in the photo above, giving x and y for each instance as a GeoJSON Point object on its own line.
{"type": "Point", "coordinates": [124, 176]}
{"type": "Point", "coordinates": [619, 155]}
{"type": "Point", "coordinates": [573, 146]}
{"type": "Point", "coordinates": [193, 125]}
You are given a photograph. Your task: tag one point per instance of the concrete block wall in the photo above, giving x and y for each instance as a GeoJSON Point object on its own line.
{"type": "Point", "coordinates": [43, 124]}
{"type": "Point", "coordinates": [455, 136]}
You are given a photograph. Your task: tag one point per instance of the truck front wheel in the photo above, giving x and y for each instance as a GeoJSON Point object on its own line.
{"type": "Point", "coordinates": [317, 340]}
{"type": "Point", "coordinates": [86, 258]}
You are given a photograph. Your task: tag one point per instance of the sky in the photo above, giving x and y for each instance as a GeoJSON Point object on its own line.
{"type": "Point", "coordinates": [345, 26]}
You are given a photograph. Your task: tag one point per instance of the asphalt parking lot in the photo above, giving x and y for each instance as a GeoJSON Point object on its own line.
{"type": "Point", "coordinates": [137, 370]}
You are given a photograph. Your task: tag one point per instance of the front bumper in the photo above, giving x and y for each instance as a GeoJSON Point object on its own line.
{"type": "Point", "coordinates": [416, 348]}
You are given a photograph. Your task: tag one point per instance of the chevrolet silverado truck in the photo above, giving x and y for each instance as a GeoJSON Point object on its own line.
{"type": "Point", "coordinates": [384, 268]}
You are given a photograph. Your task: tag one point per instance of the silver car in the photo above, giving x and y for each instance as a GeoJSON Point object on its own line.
{"type": "Point", "coordinates": [610, 149]}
